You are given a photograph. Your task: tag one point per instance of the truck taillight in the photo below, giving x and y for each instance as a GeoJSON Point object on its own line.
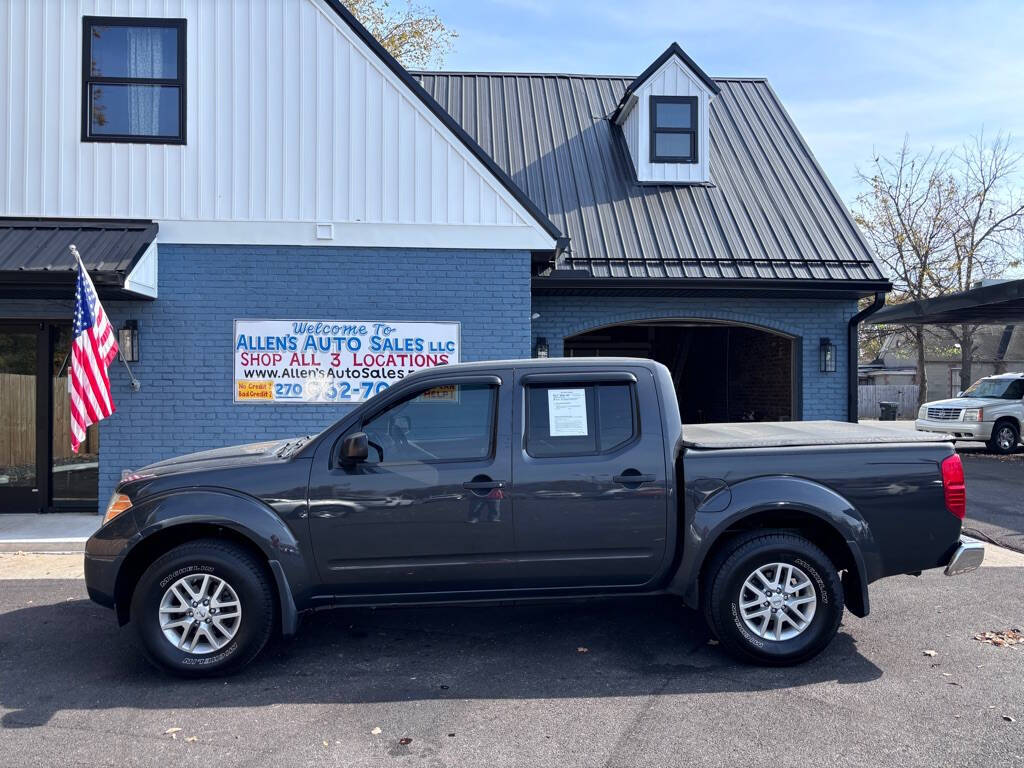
{"type": "Point", "coordinates": [953, 485]}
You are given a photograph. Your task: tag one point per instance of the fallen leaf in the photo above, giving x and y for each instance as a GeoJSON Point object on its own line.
{"type": "Point", "coordinates": [931, 653]}
{"type": "Point", "coordinates": [451, 735]}
{"type": "Point", "coordinates": [376, 731]}
{"type": "Point", "coordinates": [581, 649]}
{"type": "Point", "coordinates": [1009, 719]}
{"type": "Point", "coordinates": [192, 739]}
{"type": "Point", "coordinates": [171, 730]}
{"type": "Point", "coordinates": [947, 674]}
{"type": "Point", "coordinates": [325, 743]}
{"type": "Point", "coordinates": [405, 741]}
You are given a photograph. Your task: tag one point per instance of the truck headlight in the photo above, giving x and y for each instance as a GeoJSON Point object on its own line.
{"type": "Point", "coordinates": [922, 412]}
{"type": "Point", "coordinates": [118, 503]}
{"type": "Point", "coordinates": [974, 414]}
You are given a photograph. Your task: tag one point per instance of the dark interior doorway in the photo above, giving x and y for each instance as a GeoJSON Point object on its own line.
{"type": "Point", "coordinates": [721, 372]}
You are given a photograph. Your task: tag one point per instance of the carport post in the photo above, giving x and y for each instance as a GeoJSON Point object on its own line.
{"type": "Point", "coordinates": [853, 350]}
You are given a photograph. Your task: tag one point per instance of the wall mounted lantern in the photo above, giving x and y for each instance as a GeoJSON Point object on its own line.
{"type": "Point", "coordinates": [826, 355]}
{"type": "Point", "coordinates": [542, 346]}
{"type": "Point", "coordinates": [128, 341]}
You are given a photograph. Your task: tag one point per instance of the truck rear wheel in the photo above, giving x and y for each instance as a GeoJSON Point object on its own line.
{"type": "Point", "coordinates": [204, 608]}
{"type": "Point", "coordinates": [775, 599]}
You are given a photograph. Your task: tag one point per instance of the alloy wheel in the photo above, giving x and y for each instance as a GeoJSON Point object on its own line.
{"type": "Point", "coordinates": [200, 614]}
{"type": "Point", "coordinates": [777, 601]}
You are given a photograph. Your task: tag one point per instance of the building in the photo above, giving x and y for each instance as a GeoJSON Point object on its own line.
{"type": "Point", "coordinates": [285, 220]}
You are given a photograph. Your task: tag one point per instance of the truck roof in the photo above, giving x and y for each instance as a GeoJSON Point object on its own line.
{"type": "Point", "coordinates": [773, 434]}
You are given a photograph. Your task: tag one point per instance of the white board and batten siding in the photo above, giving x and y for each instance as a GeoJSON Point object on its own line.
{"type": "Point", "coordinates": [673, 78]}
{"type": "Point", "coordinates": [291, 121]}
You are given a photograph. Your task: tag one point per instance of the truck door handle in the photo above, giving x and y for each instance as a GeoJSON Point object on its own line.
{"type": "Point", "coordinates": [483, 485]}
{"type": "Point", "coordinates": [632, 477]}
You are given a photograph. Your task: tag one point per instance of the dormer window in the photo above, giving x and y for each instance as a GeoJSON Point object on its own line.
{"type": "Point", "coordinates": [673, 129]}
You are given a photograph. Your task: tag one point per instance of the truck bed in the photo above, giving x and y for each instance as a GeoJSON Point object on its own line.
{"type": "Point", "coordinates": [774, 434]}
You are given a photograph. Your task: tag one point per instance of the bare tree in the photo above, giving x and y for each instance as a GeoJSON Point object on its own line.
{"type": "Point", "coordinates": [413, 34]}
{"type": "Point", "coordinates": [905, 214]}
{"type": "Point", "coordinates": [986, 220]}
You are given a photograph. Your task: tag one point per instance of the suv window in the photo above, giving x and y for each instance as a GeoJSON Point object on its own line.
{"type": "Point", "coordinates": [453, 422]}
{"type": "Point", "coordinates": [575, 420]}
{"type": "Point", "coordinates": [1015, 391]}
{"type": "Point", "coordinates": [1002, 388]}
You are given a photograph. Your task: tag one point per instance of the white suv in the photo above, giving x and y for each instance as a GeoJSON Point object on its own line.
{"type": "Point", "coordinates": [992, 409]}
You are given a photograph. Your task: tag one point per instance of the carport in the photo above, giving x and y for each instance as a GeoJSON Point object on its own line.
{"type": "Point", "coordinates": [997, 304]}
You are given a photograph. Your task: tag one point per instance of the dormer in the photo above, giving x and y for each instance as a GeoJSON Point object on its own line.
{"type": "Point", "coordinates": [664, 117]}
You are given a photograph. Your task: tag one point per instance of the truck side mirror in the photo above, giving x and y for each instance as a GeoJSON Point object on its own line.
{"type": "Point", "coordinates": [354, 448]}
{"type": "Point", "coordinates": [960, 393]}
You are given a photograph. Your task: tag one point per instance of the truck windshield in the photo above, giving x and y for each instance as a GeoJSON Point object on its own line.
{"type": "Point", "coordinates": [1005, 389]}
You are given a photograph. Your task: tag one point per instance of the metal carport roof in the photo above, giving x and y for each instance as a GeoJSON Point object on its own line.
{"type": "Point", "coordinates": [997, 304]}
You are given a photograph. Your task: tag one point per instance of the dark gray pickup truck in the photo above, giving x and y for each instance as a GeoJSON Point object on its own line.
{"type": "Point", "coordinates": [521, 480]}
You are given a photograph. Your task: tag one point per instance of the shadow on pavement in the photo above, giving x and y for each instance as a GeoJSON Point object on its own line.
{"type": "Point", "coordinates": [71, 656]}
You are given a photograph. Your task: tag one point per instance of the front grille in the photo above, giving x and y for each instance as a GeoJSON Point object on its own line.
{"type": "Point", "coordinates": [944, 414]}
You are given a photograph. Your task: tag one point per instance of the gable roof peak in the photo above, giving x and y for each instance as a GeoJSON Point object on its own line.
{"type": "Point", "coordinates": [674, 50]}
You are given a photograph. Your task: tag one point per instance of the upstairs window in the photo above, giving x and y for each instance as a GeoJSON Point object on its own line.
{"type": "Point", "coordinates": [133, 80]}
{"type": "Point", "coordinates": [673, 129]}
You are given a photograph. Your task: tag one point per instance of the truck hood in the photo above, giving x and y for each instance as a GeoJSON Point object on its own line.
{"type": "Point", "coordinates": [223, 458]}
{"type": "Point", "coordinates": [965, 402]}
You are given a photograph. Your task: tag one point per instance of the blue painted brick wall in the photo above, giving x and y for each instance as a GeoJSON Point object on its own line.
{"type": "Point", "coordinates": [185, 403]}
{"type": "Point", "coordinates": [824, 394]}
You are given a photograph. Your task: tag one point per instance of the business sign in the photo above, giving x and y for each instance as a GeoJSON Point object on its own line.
{"type": "Point", "coordinates": [333, 361]}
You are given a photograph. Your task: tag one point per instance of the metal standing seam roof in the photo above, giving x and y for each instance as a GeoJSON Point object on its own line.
{"type": "Point", "coordinates": [35, 251]}
{"type": "Point", "coordinates": [768, 212]}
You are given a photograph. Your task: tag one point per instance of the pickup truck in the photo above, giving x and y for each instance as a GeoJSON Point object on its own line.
{"type": "Point", "coordinates": [523, 480]}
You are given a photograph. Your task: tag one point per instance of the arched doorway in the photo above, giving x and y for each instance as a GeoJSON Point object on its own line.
{"type": "Point", "coordinates": [722, 371]}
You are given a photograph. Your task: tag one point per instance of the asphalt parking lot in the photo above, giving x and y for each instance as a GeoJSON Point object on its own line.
{"type": "Point", "coordinates": [995, 495]}
{"type": "Point", "coordinates": [620, 683]}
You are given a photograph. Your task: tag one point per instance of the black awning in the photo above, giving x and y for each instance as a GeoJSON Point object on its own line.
{"type": "Point", "coordinates": [997, 304]}
{"type": "Point", "coordinates": [35, 261]}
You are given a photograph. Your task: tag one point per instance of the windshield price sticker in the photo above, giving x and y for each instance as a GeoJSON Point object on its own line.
{"type": "Point", "coordinates": [335, 361]}
{"type": "Point", "coordinates": [567, 412]}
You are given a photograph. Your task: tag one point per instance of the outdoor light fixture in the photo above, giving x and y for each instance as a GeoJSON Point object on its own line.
{"type": "Point", "coordinates": [826, 355]}
{"type": "Point", "coordinates": [542, 346]}
{"type": "Point", "coordinates": [128, 341]}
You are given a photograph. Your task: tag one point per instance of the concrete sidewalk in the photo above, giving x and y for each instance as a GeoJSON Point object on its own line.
{"type": "Point", "coordinates": [56, 532]}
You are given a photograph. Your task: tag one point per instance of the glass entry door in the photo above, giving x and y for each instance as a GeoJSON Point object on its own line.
{"type": "Point", "coordinates": [38, 471]}
{"type": "Point", "coordinates": [21, 349]}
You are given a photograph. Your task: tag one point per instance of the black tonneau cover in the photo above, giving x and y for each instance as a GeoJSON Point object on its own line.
{"type": "Point", "coordinates": [774, 434]}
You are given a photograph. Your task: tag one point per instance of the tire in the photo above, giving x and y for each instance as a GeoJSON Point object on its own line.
{"type": "Point", "coordinates": [727, 598]}
{"type": "Point", "coordinates": [1005, 437]}
{"type": "Point", "coordinates": [205, 649]}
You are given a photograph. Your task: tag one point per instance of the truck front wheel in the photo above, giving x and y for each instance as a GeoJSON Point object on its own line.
{"type": "Point", "coordinates": [775, 599]}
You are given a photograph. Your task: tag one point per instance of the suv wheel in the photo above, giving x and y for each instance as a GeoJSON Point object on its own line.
{"type": "Point", "coordinates": [1004, 438]}
{"type": "Point", "coordinates": [204, 608]}
{"type": "Point", "coordinates": [775, 599]}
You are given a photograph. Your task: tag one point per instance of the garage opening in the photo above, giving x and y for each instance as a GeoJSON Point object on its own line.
{"type": "Point", "coordinates": [722, 372]}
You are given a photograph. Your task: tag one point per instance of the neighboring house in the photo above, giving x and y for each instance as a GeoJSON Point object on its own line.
{"type": "Point", "coordinates": [998, 349]}
{"type": "Point", "coordinates": [220, 165]}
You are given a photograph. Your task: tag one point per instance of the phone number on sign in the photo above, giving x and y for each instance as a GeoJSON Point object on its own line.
{"type": "Point", "coordinates": [316, 390]}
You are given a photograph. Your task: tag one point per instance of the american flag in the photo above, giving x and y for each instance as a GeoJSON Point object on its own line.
{"type": "Point", "coordinates": [93, 348]}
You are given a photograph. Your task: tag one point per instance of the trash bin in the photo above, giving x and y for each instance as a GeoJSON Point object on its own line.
{"type": "Point", "coordinates": [889, 411]}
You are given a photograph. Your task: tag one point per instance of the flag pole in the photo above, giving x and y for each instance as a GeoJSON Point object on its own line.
{"type": "Point", "coordinates": [136, 386]}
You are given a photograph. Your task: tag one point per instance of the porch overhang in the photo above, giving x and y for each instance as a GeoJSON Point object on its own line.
{"type": "Point", "coordinates": [35, 262]}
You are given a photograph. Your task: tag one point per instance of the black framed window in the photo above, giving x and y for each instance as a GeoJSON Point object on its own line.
{"type": "Point", "coordinates": [133, 80]}
{"type": "Point", "coordinates": [673, 129]}
{"type": "Point", "coordinates": [579, 419]}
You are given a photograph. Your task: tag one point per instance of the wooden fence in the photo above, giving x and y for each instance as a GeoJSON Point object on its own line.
{"type": "Point", "coordinates": [870, 395]}
{"type": "Point", "coordinates": [18, 421]}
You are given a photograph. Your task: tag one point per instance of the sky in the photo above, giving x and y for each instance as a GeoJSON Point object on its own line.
{"type": "Point", "coordinates": [856, 77]}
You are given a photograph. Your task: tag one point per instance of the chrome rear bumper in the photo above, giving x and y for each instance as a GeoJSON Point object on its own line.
{"type": "Point", "coordinates": [967, 558]}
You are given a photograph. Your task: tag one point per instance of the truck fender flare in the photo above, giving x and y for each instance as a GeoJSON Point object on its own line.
{"type": "Point", "coordinates": [246, 516]}
{"type": "Point", "coordinates": [776, 493]}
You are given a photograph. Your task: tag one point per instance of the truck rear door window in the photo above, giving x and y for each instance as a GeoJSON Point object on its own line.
{"type": "Point", "coordinates": [576, 420]}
